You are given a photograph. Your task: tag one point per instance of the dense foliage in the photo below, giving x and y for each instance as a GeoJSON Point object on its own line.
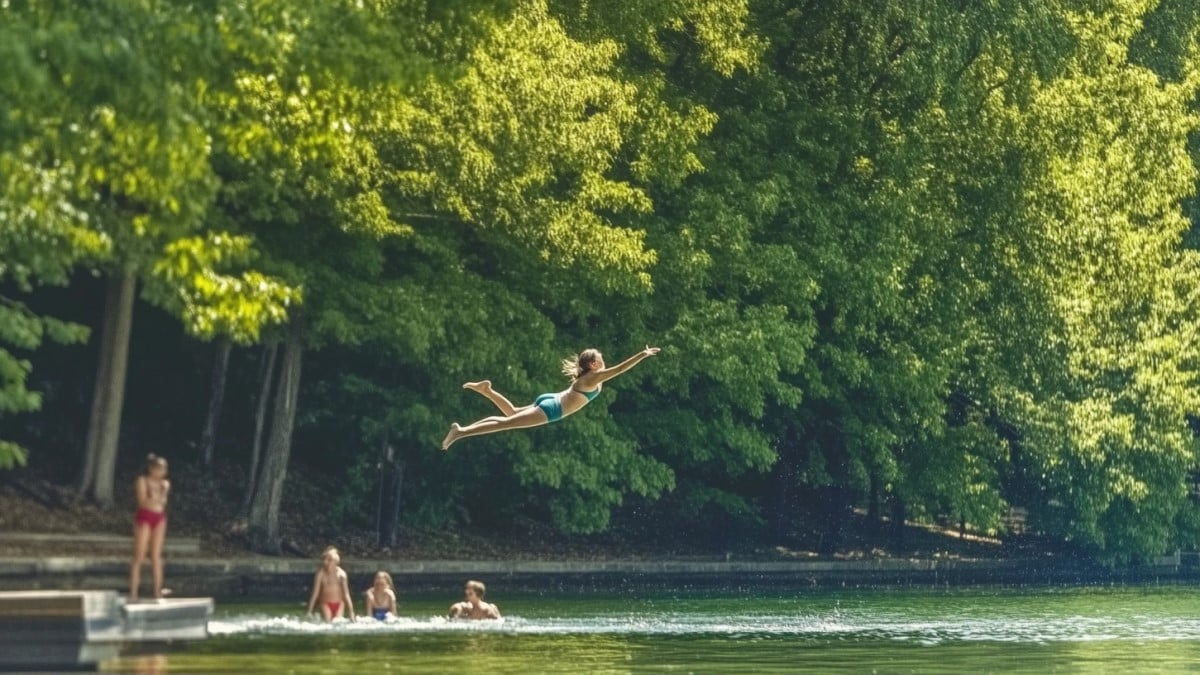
{"type": "Point", "coordinates": [932, 259]}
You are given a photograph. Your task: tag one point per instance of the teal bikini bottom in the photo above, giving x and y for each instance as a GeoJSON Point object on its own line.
{"type": "Point", "coordinates": [550, 405]}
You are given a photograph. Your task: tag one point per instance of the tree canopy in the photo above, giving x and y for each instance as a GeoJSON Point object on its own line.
{"type": "Point", "coordinates": [935, 257]}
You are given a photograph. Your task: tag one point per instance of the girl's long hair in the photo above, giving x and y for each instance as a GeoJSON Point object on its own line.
{"type": "Point", "coordinates": [388, 578]}
{"type": "Point", "coordinates": [580, 363]}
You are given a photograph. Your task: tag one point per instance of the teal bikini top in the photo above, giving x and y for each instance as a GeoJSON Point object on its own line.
{"type": "Point", "coordinates": [589, 395]}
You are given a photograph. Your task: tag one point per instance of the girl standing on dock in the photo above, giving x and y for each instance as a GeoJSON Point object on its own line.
{"type": "Point", "coordinates": [149, 524]}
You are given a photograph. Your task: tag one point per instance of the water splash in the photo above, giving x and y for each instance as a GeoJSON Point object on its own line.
{"type": "Point", "coordinates": [839, 624]}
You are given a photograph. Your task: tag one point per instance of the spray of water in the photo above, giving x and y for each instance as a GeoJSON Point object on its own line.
{"type": "Point", "coordinates": [838, 624]}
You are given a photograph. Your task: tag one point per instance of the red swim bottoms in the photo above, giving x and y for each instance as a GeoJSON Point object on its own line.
{"type": "Point", "coordinates": [333, 608]}
{"type": "Point", "coordinates": [148, 517]}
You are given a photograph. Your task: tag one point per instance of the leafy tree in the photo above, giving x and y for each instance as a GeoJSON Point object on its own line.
{"type": "Point", "coordinates": [931, 257]}
{"type": "Point", "coordinates": [1109, 166]}
{"type": "Point", "coordinates": [104, 105]}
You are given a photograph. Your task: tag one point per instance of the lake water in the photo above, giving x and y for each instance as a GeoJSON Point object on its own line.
{"type": "Point", "coordinates": [1148, 629]}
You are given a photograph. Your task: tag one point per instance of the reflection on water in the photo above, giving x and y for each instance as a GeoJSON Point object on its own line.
{"type": "Point", "coordinates": [1147, 629]}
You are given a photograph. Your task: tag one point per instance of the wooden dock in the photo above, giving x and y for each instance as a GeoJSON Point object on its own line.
{"type": "Point", "coordinates": [122, 542]}
{"type": "Point", "coordinates": [80, 629]}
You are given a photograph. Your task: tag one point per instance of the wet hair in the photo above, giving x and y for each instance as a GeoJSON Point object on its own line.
{"type": "Point", "coordinates": [386, 577]}
{"type": "Point", "coordinates": [153, 461]}
{"type": "Point", "coordinates": [580, 363]}
{"type": "Point", "coordinates": [478, 587]}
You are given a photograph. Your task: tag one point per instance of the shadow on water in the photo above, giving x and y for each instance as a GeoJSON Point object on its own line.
{"type": "Point", "coordinates": [1131, 629]}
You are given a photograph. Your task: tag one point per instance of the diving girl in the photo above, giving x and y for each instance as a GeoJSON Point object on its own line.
{"type": "Point", "coordinates": [586, 372]}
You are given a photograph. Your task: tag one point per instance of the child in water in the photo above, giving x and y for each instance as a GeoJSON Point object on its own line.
{"type": "Point", "coordinates": [149, 524]}
{"type": "Point", "coordinates": [381, 597]}
{"type": "Point", "coordinates": [473, 605]}
{"type": "Point", "coordinates": [332, 587]}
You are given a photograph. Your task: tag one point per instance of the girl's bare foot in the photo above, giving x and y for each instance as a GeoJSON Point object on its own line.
{"type": "Point", "coordinates": [451, 435]}
{"type": "Point", "coordinates": [479, 387]}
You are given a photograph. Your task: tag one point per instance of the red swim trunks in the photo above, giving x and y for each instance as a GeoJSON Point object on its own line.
{"type": "Point", "coordinates": [148, 517]}
{"type": "Point", "coordinates": [333, 608]}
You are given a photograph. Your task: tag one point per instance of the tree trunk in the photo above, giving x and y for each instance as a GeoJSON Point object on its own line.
{"type": "Point", "coordinates": [104, 427]}
{"type": "Point", "coordinates": [268, 495]}
{"type": "Point", "coordinates": [392, 483]}
{"type": "Point", "coordinates": [208, 438]}
{"type": "Point", "coordinates": [898, 515]}
{"type": "Point", "coordinates": [835, 508]}
{"type": "Point", "coordinates": [782, 504]}
{"type": "Point", "coordinates": [87, 474]}
{"type": "Point", "coordinates": [835, 502]}
{"type": "Point", "coordinates": [385, 472]}
{"type": "Point", "coordinates": [260, 416]}
{"type": "Point", "coordinates": [781, 514]}
{"type": "Point", "coordinates": [393, 519]}
{"type": "Point", "coordinates": [874, 516]}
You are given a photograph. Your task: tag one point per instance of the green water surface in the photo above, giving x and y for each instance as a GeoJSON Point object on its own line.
{"type": "Point", "coordinates": [1079, 629]}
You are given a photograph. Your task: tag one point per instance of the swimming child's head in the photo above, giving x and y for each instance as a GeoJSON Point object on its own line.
{"type": "Point", "coordinates": [382, 577]}
{"type": "Point", "coordinates": [475, 588]}
{"type": "Point", "coordinates": [331, 557]}
{"type": "Point", "coordinates": [587, 360]}
{"type": "Point", "coordinates": [155, 466]}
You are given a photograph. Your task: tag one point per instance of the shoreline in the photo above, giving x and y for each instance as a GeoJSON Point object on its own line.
{"type": "Point", "coordinates": [251, 577]}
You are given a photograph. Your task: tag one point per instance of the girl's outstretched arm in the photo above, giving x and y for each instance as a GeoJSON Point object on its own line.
{"type": "Point", "coordinates": [609, 373]}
